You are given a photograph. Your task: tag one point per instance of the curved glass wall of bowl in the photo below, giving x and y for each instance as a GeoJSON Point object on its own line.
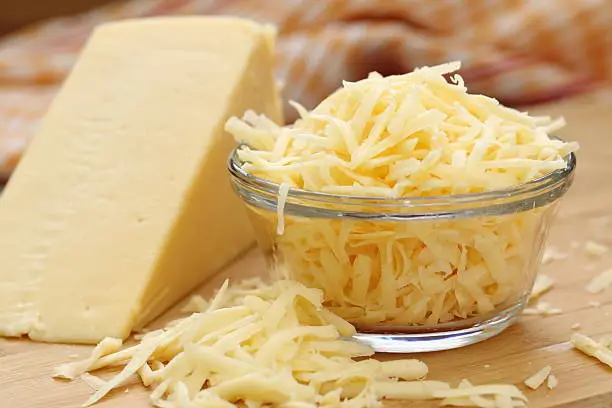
{"type": "Point", "coordinates": [412, 274]}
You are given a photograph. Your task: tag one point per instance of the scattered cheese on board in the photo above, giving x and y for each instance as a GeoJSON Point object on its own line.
{"type": "Point", "coordinates": [600, 283]}
{"type": "Point", "coordinates": [95, 383]}
{"type": "Point", "coordinates": [412, 135]}
{"type": "Point", "coordinates": [553, 254]}
{"type": "Point", "coordinates": [592, 348]}
{"type": "Point", "coordinates": [552, 382]}
{"type": "Point", "coordinates": [542, 308]}
{"type": "Point", "coordinates": [595, 249]}
{"type": "Point", "coordinates": [486, 396]}
{"type": "Point", "coordinates": [535, 381]}
{"type": "Point", "coordinates": [269, 345]}
{"type": "Point", "coordinates": [73, 370]}
{"type": "Point", "coordinates": [543, 283]}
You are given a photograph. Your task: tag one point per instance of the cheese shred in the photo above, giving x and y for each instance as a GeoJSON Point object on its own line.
{"type": "Point", "coordinates": [600, 283]}
{"type": "Point", "coordinates": [592, 348]}
{"type": "Point", "coordinates": [535, 381]}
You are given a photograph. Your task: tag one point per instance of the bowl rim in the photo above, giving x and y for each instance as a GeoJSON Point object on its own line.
{"type": "Point", "coordinates": [527, 189]}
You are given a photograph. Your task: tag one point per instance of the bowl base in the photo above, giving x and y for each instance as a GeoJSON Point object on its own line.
{"type": "Point", "coordinates": [439, 340]}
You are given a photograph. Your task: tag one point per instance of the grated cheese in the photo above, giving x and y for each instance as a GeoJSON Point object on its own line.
{"type": "Point", "coordinates": [486, 396]}
{"type": "Point", "coordinates": [552, 382]}
{"type": "Point", "coordinates": [412, 135]}
{"type": "Point", "coordinates": [283, 191]}
{"type": "Point", "coordinates": [535, 381]}
{"type": "Point", "coordinates": [95, 383]}
{"type": "Point", "coordinates": [553, 254]}
{"type": "Point", "coordinates": [543, 309]}
{"type": "Point", "coordinates": [592, 348]}
{"type": "Point", "coordinates": [542, 284]}
{"type": "Point", "coordinates": [600, 283]}
{"type": "Point", "coordinates": [270, 345]}
{"type": "Point", "coordinates": [595, 249]}
{"type": "Point", "coordinates": [71, 371]}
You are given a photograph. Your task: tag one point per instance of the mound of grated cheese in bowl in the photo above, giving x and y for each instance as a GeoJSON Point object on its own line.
{"type": "Point", "coordinates": [407, 200]}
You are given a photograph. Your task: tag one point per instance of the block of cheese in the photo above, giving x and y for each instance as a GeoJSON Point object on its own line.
{"type": "Point", "coordinates": [122, 205]}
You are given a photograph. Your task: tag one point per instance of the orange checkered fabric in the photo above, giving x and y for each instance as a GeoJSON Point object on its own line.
{"type": "Point", "coordinates": [519, 51]}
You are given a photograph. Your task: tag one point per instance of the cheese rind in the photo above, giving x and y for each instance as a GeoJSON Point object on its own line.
{"type": "Point", "coordinates": [120, 205]}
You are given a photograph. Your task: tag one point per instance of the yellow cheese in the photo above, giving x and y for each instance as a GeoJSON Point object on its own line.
{"type": "Point", "coordinates": [552, 382]}
{"type": "Point", "coordinates": [535, 381]}
{"type": "Point", "coordinates": [121, 206]}
{"type": "Point", "coordinates": [411, 135]}
{"type": "Point", "coordinates": [262, 345]}
{"type": "Point", "coordinates": [600, 283]}
{"type": "Point", "coordinates": [595, 249]}
{"type": "Point", "coordinates": [590, 347]}
{"type": "Point", "coordinates": [543, 283]}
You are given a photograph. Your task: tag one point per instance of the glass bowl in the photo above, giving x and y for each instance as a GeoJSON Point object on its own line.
{"type": "Point", "coordinates": [412, 274]}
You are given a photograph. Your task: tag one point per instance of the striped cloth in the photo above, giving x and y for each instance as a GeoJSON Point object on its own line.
{"type": "Point", "coordinates": [520, 51]}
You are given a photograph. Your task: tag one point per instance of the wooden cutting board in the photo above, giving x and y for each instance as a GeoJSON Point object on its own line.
{"type": "Point", "coordinates": [519, 352]}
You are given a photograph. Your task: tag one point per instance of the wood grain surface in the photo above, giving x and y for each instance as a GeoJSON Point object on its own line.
{"type": "Point", "coordinates": [519, 352]}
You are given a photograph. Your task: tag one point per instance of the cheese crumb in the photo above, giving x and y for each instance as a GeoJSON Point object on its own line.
{"type": "Point", "coordinates": [600, 283]}
{"type": "Point", "coordinates": [595, 249]}
{"type": "Point", "coordinates": [576, 326]}
{"type": "Point", "coordinates": [552, 254]}
{"type": "Point", "coordinates": [552, 382]}
{"type": "Point", "coordinates": [594, 303]}
{"type": "Point", "coordinates": [543, 309]}
{"type": "Point", "coordinates": [542, 284]}
{"type": "Point", "coordinates": [592, 348]}
{"type": "Point", "coordinates": [536, 380]}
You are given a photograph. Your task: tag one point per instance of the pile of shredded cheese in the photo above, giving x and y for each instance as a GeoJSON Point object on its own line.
{"type": "Point", "coordinates": [258, 345]}
{"type": "Point", "coordinates": [410, 135]}
{"type": "Point", "coordinates": [406, 135]}
{"type": "Point", "coordinates": [404, 273]}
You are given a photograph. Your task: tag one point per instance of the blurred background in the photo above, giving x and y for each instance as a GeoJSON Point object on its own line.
{"type": "Point", "coordinates": [523, 52]}
{"type": "Point", "coordinates": [14, 14]}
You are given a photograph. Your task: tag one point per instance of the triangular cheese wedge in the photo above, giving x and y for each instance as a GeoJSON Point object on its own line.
{"type": "Point", "coordinates": [122, 204]}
